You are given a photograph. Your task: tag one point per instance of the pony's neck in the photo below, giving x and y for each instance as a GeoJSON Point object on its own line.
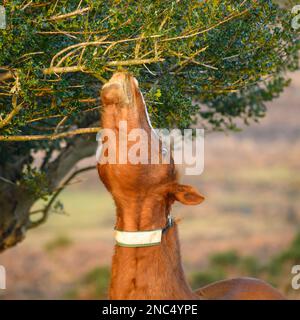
{"type": "Point", "coordinates": [148, 272]}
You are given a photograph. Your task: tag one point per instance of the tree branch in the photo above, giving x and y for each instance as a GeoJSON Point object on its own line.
{"type": "Point", "coordinates": [51, 136]}
{"type": "Point", "coordinates": [45, 211]}
{"type": "Point", "coordinates": [77, 149]}
{"type": "Point", "coordinates": [6, 76]}
{"type": "Point", "coordinates": [58, 70]}
{"type": "Point", "coordinates": [16, 109]}
{"type": "Point", "coordinates": [70, 14]}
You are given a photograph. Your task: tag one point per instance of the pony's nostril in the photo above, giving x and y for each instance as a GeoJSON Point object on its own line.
{"type": "Point", "coordinates": [112, 93]}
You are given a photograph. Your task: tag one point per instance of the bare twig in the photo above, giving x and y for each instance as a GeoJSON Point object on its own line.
{"type": "Point", "coordinates": [99, 42]}
{"type": "Point", "coordinates": [134, 62]}
{"type": "Point", "coordinates": [16, 109]}
{"type": "Point", "coordinates": [26, 5]}
{"type": "Point", "coordinates": [45, 211]}
{"type": "Point", "coordinates": [69, 15]}
{"type": "Point", "coordinates": [6, 76]}
{"type": "Point", "coordinates": [72, 32]}
{"type": "Point", "coordinates": [58, 70]}
{"type": "Point", "coordinates": [61, 122]}
{"type": "Point", "coordinates": [67, 56]}
{"type": "Point", "coordinates": [88, 100]}
{"type": "Point", "coordinates": [50, 136]}
{"type": "Point", "coordinates": [7, 181]}
{"type": "Point", "coordinates": [230, 17]}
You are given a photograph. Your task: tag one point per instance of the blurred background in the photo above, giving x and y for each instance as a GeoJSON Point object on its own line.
{"type": "Point", "coordinates": [249, 224]}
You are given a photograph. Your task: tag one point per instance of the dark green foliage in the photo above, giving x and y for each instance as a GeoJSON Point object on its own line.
{"type": "Point", "coordinates": [100, 276]}
{"type": "Point", "coordinates": [200, 279]}
{"type": "Point", "coordinates": [290, 256]}
{"type": "Point", "coordinates": [242, 67]}
{"type": "Point", "coordinates": [229, 258]}
{"type": "Point", "coordinates": [225, 265]}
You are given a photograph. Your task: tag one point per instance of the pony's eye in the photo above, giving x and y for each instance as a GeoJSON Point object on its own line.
{"type": "Point", "coordinates": [164, 151]}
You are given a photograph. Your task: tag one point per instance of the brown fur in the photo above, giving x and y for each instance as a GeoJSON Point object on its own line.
{"type": "Point", "coordinates": [144, 194]}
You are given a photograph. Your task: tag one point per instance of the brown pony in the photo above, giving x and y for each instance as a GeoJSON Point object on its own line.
{"type": "Point", "coordinates": [143, 195]}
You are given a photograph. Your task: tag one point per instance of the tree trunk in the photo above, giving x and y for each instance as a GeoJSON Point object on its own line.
{"type": "Point", "coordinates": [16, 202]}
{"type": "Point", "coordinates": [14, 215]}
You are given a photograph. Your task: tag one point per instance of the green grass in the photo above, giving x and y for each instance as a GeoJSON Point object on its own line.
{"type": "Point", "coordinates": [87, 212]}
{"type": "Point", "coordinates": [92, 285]}
{"type": "Point", "coordinates": [61, 241]}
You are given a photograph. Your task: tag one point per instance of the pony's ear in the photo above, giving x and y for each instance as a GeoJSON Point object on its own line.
{"type": "Point", "coordinates": [187, 195]}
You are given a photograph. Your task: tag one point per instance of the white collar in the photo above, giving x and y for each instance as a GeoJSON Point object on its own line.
{"type": "Point", "coordinates": [136, 239]}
